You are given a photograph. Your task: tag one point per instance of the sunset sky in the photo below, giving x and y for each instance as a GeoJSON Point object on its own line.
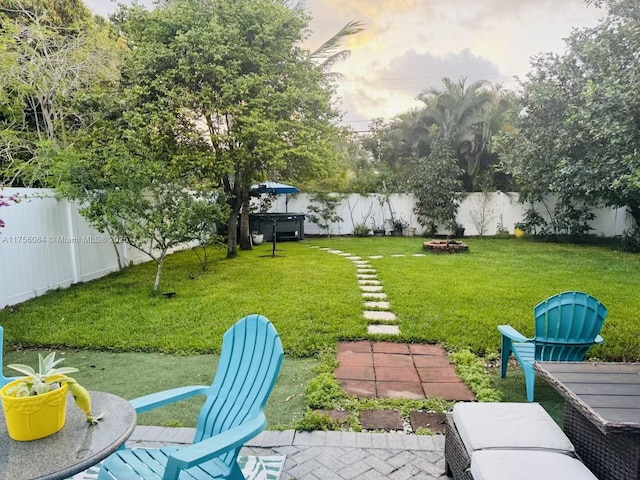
{"type": "Point", "coordinates": [409, 45]}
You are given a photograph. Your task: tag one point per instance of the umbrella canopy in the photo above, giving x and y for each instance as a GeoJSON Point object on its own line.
{"type": "Point", "coordinates": [274, 187]}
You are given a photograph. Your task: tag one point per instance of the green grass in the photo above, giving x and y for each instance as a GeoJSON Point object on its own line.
{"type": "Point", "coordinates": [130, 375]}
{"type": "Point", "coordinates": [458, 300]}
{"type": "Point", "coordinates": [313, 299]}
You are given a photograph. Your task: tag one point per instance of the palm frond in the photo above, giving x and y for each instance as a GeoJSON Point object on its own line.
{"type": "Point", "coordinates": [329, 47]}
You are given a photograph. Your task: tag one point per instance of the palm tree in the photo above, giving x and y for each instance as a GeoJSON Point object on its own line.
{"type": "Point", "coordinates": [329, 53]}
{"type": "Point", "coordinates": [463, 114]}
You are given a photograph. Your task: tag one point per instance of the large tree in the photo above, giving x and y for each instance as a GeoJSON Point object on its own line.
{"type": "Point", "coordinates": [578, 136]}
{"type": "Point", "coordinates": [52, 53]}
{"type": "Point", "coordinates": [468, 115]}
{"type": "Point", "coordinates": [234, 73]}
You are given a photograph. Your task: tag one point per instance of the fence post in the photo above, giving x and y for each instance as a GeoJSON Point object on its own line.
{"type": "Point", "coordinates": [72, 245]}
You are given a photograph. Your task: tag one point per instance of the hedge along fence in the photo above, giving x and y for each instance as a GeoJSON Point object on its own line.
{"type": "Point", "coordinates": [479, 213]}
{"type": "Point", "coordinates": [46, 244]}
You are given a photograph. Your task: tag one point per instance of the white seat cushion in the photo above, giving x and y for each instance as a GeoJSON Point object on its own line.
{"type": "Point", "coordinates": [527, 465]}
{"type": "Point", "coordinates": [508, 425]}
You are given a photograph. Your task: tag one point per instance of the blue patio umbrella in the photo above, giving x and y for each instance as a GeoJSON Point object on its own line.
{"type": "Point", "coordinates": [276, 188]}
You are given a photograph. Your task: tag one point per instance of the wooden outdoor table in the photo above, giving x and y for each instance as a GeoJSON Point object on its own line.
{"type": "Point", "coordinates": [73, 449]}
{"type": "Point", "coordinates": [602, 413]}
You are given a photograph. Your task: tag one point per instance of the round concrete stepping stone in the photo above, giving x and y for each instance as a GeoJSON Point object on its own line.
{"type": "Point", "coordinates": [366, 270]}
{"type": "Point", "coordinates": [379, 316]}
{"type": "Point", "coordinates": [369, 282]}
{"type": "Point", "coordinates": [419, 255]}
{"type": "Point", "coordinates": [361, 263]}
{"type": "Point", "coordinates": [398, 255]}
{"type": "Point", "coordinates": [345, 254]}
{"type": "Point", "coordinates": [337, 252]}
{"type": "Point", "coordinates": [371, 288]}
{"type": "Point", "coordinates": [366, 276]}
{"type": "Point", "coordinates": [326, 249]}
{"type": "Point", "coordinates": [374, 295]}
{"type": "Point", "coordinates": [381, 305]}
{"type": "Point", "coordinates": [354, 258]}
{"type": "Point", "coordinates": [375, 256]}
{"type": "Point", "coordinates": [383, 330]}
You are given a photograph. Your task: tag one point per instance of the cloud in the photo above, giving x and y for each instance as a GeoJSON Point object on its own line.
{"type": "Point", "coordinates": [409, 45]}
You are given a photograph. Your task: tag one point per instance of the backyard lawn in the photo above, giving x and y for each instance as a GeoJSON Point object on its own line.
{"type": "Point", "coordinates": [313, 299]}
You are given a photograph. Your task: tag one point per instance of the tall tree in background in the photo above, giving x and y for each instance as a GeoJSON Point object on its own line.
{"type": "Point", "coordinates": [578, 136]}
{"type": "Point", "coordinates": [464, 114]}
{"type": "Point", "coordinates": [236, 74]}
{"type": "Point", "coordinates": [330, 52]}
{"type": "Point", "coordinates": [52, 54]}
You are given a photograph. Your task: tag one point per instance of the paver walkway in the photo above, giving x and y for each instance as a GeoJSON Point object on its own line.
{"type": "Point", "coordinates": [398, 370]}
{"type": "Point", "coordinates": [382, 319]}
{"type": "Point", "coordinates": [329, 455]}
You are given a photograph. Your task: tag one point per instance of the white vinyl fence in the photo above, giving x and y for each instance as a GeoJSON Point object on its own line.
{"type": "Point", "coordinates": [479, 213]}
{"type": "Point", "coordinates": [46, 243]}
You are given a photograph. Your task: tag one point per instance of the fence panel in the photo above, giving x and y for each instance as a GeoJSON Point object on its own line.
{"type": "Point", "coordinates": [46, 243]}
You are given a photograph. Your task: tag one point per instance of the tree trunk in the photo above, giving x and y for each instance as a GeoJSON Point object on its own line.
{"type": "Point", "coordinates": [245, 234]}
{"type": "Point", "coordinates": [115, 247]}
{"type": "Point", "coordinates": [232, 229]}
{"type": "Point", "coordinates": [634, 210]}
{"type": "Point", "coordinates": [156, 284]}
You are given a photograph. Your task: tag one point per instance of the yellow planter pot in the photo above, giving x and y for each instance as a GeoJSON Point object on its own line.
{"type": "Point", "coordinates": [30, 418]}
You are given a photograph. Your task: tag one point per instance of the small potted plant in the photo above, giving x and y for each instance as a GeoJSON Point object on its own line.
{"type": "Point", "coordinates": [256, 237]}
{"type": "Point", "coordinates": [35, 405]}
{"type": "Point", "coordinates": [457, 230]}
{"type": "Point", "coordinates": [398, 225]}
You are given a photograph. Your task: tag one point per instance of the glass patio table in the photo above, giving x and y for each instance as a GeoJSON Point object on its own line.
{"type": "Point", "coordinates": [73, 449]}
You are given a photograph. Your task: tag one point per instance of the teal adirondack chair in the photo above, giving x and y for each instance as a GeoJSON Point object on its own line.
{"type": "Point", "coordinates": [231, 415]}
{"type": "Point", "coordinates": [566, 325]}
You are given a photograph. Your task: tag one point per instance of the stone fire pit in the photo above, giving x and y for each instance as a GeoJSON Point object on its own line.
{"type": "Point", "coordinates": [449, 246]}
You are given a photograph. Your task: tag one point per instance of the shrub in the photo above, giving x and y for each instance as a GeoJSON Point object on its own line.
{"type": "Point", "coordinates": [324, 392]}
{"type": "Point", "coordinates": [472, 371]}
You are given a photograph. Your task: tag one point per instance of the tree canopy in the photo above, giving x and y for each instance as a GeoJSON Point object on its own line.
{"type": "Point", "coordinates": [235, 76]}
{"type": "Point", "coordinates": [578, 136]}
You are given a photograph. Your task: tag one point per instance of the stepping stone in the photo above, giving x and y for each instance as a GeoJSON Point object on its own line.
{"type": "Point", "coordinates": [337, 252]}
{"type": "Point", "coordinates": [366, 270]}
{"type": "Point", "coordinates": [369, 282]}
{"type": "Point", "coordinates": [373, 295]}
{"type": "Point", "coordinates": [433, 421]}
{"type": "Point", "coordinates": [361, 263]}
{"type": "Point", "coordinates": [326, 249]}
{"type": "Point", "coordinates": [381, 305]}
{"type": "Point", "coordinates": [344, 254]}
{"type": "Point", "coordinates": [398, 255]}
{"type": "Point", "coordinates": [381, 420]}
{"type": "Point", "coordinates": [354, 258]}
{"type": "Point", "coordinates": [366, 276]}
{"type": "Point", "coordinates": [383, 330]}
{"type": "Point", "coordinates": [380, 316]}
{"type": "Point", "coordinates": [371, 288]}
{"type": "Point", "coordinates": [419, 255]}
{"type": "Point", "coordinates": [338, 416]}
{"type": "Point", "coordinates": [375, 256]}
